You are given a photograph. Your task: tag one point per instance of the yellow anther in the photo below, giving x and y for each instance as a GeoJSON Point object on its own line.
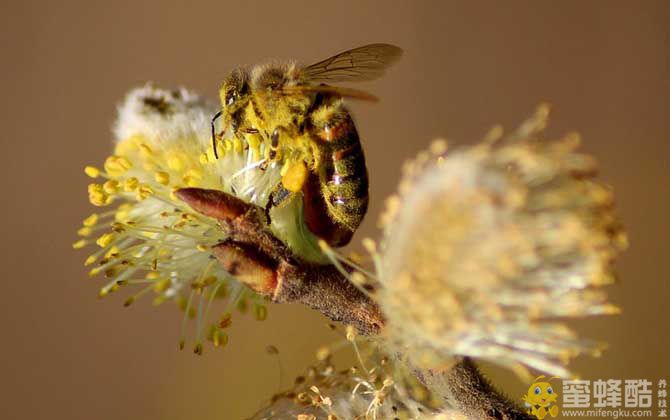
{"type": "Point", "coordinates": [162, 285]}
{"type": "Point", "coordinates": [111, 186]}
{"type": "Point", "coordinates": [219, 338]}
{"type": "Point", "coordinates": [261, 312]}
{"type": "Point", "coordinates": [106, 239]}
{"type": "Point", "coordinates": [114, 165]}
{"type": "Point", "coordinates": [203, 159]}
{"type": "Point", "coordinates": [79, 244]}
{"type": "Point", "coordinates": [159, 300]}
{"type": "Point", "coordinates": [242, 305]}
{"type": "Point", "coordinates": [143, 192]}
{"type": "Point", "coordinates": [92, 188]}
{"type": "Point", "coordinates": [113, 251]}
{"type": "Point", "coordinates": [131, 184]}
{"type": "Point", "coordinates": [152, 275]}
{"type": "Point", "coordinates": [202, 248]}
{"type": "Point", "coordinates": [194, 173]}
{"type": "Point", "coordinates": [190, 181]}
{"type": "Point", "coordinates": [370, 245]}
{"type": "Point", "coordinates": [145, 150]}
{"type": "Point", "coordinates": [124, 162]}
{"type": "Point", "coordinates": [92, 171]}
{"type": "Point", "coordinates": [162, 177]}
{"type": "Point", "coordinates": [85, 231]}
{"type": "Point", "coordinates": [173, 194]}
{"type": "Point", "coordinates": [175, 163]}
{"type": "Point", "coordinates": [97, 196]}
{"type": "Point", "coordinates": [91, 220]}
{"type": "Point", "coordinates": [438, 147]}
{"type": "Point", "coordinates": [89, 260]}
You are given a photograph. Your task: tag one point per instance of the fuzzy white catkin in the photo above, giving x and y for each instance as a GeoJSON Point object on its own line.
{"type": "Point", "coordinates": [484, 244]}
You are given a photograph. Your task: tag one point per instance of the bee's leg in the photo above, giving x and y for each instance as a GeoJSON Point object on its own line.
{"type": "Point", "coordinates": [276, 140]}
{"type": "Point", "coordinates": [278, 196]}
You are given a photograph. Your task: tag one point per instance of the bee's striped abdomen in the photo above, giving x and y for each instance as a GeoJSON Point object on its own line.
{"type": "Point", "coordinates": [345, 177]}
{"type": "Point", "coordinates": [342, 176]}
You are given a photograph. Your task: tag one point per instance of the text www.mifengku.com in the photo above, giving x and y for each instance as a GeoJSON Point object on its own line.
{"type": "Point", "coordinates": [603, 412]}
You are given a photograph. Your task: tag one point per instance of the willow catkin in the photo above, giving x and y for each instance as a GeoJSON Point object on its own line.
{"type": "Point", "coordinates": [486, 249]}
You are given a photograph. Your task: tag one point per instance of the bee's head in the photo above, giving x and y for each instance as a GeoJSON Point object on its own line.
{"type": "Point", "coordinates": [235, 91]}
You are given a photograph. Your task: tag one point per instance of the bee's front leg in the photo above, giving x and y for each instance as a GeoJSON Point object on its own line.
{"type": "Point", "coordinates": [278, 196]}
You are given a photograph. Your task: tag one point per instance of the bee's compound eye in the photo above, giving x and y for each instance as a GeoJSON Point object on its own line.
{"type": "Point", "coordinates": [538, 391]}
{"type": "Point", "coordinates": [550, 391]}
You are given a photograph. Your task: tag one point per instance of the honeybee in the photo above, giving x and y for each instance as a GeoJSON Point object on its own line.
{"type": "Point", "coordinates": [310, 131]}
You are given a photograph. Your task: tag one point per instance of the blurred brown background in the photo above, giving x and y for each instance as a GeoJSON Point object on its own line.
{"type": "Point", "coordinates": [468, 65]}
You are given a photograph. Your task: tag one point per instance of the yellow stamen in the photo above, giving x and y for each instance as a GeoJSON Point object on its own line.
{"type": "Point", "coordinates": [145, 151]}
{"type": "Point", "coordinates": [261, 312]}
{"type": "Point", "coordinates": [92, 171]}
{"type": "Point", "coordinates": [162, 285]}
{"type": "Point", "coordinates": [162, 177]}
{"type": "Point", "coordinates": [91, 220]}
{"type": "Point", "coordinates": [144, 191]}
{"type": "Point", "coordinates": [114, 250]}
{"type": "Point", "coordinates": [106, 239]}
{"type": "Point", "coordinates": [175, 163]}
{"type": "Point", "coordinates": [85, 231]}
{"type": "Point", "coordinates": [131, 184]}
{"type": "Point", "coordinates": [111, 186]}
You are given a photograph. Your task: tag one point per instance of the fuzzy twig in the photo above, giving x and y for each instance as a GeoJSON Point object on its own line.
{"type": "Point", "coordinates": [258, 259]}
{"type": "Point", "coordinates": [255, 257]}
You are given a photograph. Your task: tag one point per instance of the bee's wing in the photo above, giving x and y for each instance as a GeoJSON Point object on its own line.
{"type": "Point", "coordinates": [337, 90]}
{"type": "Point", "coordinates": [363, 63]}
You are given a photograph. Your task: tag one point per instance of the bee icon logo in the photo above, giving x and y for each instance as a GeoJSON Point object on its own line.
{"type": "Point", "coordinates": [541, 398]}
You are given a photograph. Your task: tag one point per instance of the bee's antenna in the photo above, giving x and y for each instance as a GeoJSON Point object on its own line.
{"type": "Point", "coordinates": [216, 116]}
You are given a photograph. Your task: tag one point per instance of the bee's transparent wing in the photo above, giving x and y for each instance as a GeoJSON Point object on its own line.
{"type": "Point", "coordinates": [363, 63]}
{"type": "Point", "coordinates": [336, 90]}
